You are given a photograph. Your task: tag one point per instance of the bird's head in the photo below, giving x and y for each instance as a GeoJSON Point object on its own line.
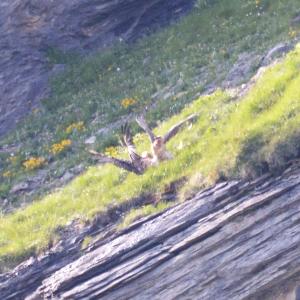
{"type": "Point", "coordinates": [158, 142]}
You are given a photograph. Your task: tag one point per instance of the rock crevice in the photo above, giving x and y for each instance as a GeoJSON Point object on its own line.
{"type": "Point", "coordinates": [237, 240]}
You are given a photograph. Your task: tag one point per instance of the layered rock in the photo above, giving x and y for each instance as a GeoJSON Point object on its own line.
{"type": "Point", "coordinates": [237, 240]}
{"type": "Point", "coordinates": [28, 28]}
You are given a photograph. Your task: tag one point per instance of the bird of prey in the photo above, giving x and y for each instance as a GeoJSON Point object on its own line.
{"type": "Point", "coordinates": [158, 143]}
{"type": "Point", "coordinates": [137, 164]}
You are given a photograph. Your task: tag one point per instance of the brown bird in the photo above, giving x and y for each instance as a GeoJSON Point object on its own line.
{"type": "Point", "coordinates": [137, 164]}
{"type": "Point", "coordinates": [158, 143]}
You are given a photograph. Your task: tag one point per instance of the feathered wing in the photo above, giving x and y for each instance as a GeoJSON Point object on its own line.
{"type": "Point", "coordinates": [143, 124]}
{"type": "Point", "coordinates": [174, 130]}
{"type": "Point", "coordinates": [123, 164]}
{"type": "Point", "coordinates": [127, 141]}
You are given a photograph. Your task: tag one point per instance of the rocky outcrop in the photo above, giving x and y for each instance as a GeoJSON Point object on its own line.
{"type": "Point", "coordinates": [237, 240]}
{"type": "Point", "coordinates": [28, 28]}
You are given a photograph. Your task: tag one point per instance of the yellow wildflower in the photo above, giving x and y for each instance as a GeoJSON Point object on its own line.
{"type": "Point", "coordinates": [34, 163]}
{"type": "Point", "coordinates": [111, 151]}
{"type": "Point", "coordinates": [126, 102]}
{"type": "Point", "coordinates": [79, 126]}
{"type": "Point", "coordinates": [7, 174]}
{"type": "Point", "coordinates": [292, 33]}
{"type": "Point", "coordinates": [60, 147]}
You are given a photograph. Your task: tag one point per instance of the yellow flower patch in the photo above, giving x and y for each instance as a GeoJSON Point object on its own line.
{"type": "Point", "coordinates": [127, 102]}
{"type": "Point", "coordinates": [34, 163]}
{"type": "Point", "coordinates": [7, 174]}
{"type": "Point", "coordinates": [111, 151]}
{"type": "Point", "coordinates": [79, 126]}
{"type": "Point", "coordinates": [60, 147]}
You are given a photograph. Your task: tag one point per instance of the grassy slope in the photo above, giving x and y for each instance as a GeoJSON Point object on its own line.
{"type": "Point", "coordinates": [232, 138]}
{"type": "Point", "coordinates": [198, 50]}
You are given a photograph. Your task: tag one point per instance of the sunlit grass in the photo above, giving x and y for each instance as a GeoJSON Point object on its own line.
{"type": "Point", "coordinates": [232, 138]}
{"type": "Point", "coordinates": [183, 59]}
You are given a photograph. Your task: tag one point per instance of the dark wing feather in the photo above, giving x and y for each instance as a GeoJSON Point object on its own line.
{"type": "Point", "coordinates": [174, 130]}
{"type": "Point", "coordinates": [123, 164]}
{"type": "Point", "coordinates": [143, 124]}
{"type": "Point", "coordinates": [127, 141]}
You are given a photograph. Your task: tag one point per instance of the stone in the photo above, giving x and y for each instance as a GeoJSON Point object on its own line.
{"type": "Point", "coordinates": [236, 240]}
{"type": "Point", "coordinates": [241, 70]}
{"type": "Point", "coordinates": [296, 20]}
{"type": "Point", "coordinates": [67, 177]}
{"type": "Point", "coordinates": [20, 187]}
{"type": "Point", "coordinates": [276, 51]}
{"type": "Point", "coordinates": [90, 141]}
{"type": "Point", "coordinates": [78, 169]}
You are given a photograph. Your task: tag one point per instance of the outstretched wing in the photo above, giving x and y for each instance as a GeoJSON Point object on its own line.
{"type": "Point", "coordinates": [143, 124]}
{"type": "Point", "coordinates": [174, 130]}
{"type": "Point", "coordinates": [127, 141]}
{"type": "Point", "coordinates": [123, 164]}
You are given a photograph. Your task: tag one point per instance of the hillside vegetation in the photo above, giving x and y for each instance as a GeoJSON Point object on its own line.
{"type": "Point", "coordinates": [166, 69]}
{"type": "Point", "coordinates": [234, 137]}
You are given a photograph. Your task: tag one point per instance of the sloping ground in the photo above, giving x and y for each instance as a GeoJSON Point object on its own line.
{"type": "Point", "coordinates": [219, 44]}
{"type": "Point", "coordinates": [29, 29]}
{"type": "Point", "coordinates": [237, 240]}
{"type": "Point", "coordinates": [235, 137]}
{"type": "Point", "coordinates": [238, 135]}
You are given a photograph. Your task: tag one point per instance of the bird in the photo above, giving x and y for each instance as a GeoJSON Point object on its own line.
{"type": "Point", "coordinates": [158, 143]}
{"type": "Point", "coordinates": [137, 163]}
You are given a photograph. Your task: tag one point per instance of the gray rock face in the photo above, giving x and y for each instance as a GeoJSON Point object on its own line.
{"type": "Point", "coordinates": [237, 240]}
{"type": "Point", "coordinates": [276, 51]}
{"type": "Point", "coordinates": [28, 28]}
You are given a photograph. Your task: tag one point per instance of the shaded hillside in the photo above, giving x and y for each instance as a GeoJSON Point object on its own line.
{"type": "Point", "coordinates": [30, 29]}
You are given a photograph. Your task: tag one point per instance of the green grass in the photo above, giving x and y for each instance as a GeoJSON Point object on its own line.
{"type": "Point", "coordinates": [181, 60]}
{"type": "Point", "coordinates": [232, 138]}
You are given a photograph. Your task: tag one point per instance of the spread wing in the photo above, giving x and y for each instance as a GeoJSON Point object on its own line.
{"type": "Point", "coordinates": [127, 141]}
{"type": "Point", "coordinates": [123, 164]}
{"type": "Point", "coordinates": [143, 124]}
{"type": "Point", "coordinates": [174, 130]}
